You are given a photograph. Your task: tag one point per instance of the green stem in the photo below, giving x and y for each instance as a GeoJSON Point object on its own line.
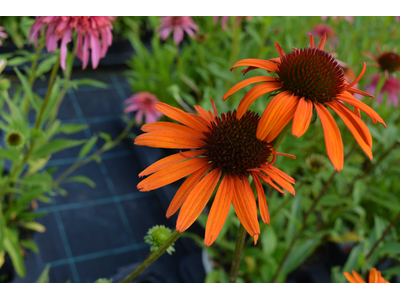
{"type": "Point", "coordinates": [241, 237]}
{"type": "Point", "coordinates": [152, 257]}
{"type": "Point", "coordinates": [105, 147]}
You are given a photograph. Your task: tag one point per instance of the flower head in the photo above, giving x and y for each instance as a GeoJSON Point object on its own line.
{"type": "Point", "coordinates": [92, 32]}
{"type": "Point", "coordinates": [157, 236]}
{"type": "Point", "coordinates": [15, 139]}
{"type": "Point", "coordinates": [374, 277]}
{"type": "Point", "coordinates": [391, 86]}
{"type": "Point", "coordinates": [388, 61]}
{"type": "Point", "coordinates": [2, 35]}
{"type": "Point", "coordinates": [224, 21]}
{"type": "Point", "coordinates": [224, 151]}
{"type": "Point", "coordinates": [178, 25]}
{"type": "Point", "coordinates": [307, 79]}
{"type": "Point", "coordinates": [144, 104]}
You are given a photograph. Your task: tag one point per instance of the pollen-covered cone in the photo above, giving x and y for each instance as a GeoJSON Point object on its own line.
{"type": "Point", "coordinates": [307, 79]}
{"type": "Point", "coordinates": [374, 277]}
{"type": "Point", "coordinates": [221, 151]}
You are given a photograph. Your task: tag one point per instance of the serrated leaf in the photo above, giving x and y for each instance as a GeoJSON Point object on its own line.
{"type": "Point", "coordinates": [55, 146]}
{"type": "Point", "coordinates": [88, 147]}
{"type": "Point", "coordinates": [82, 179]}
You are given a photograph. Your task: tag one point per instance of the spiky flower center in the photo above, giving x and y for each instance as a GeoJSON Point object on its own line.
{"type": "Point", "coordinates": [311, 73]}
{"type": "Point", "coordinates": [232, 145]}
{"type": "Point", "coordinates": [389, 61]}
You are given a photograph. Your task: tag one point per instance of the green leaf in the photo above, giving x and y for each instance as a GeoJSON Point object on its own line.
{"type": "Point", "coordinates": [268, 240]}
{"type": "Point", "coordinates": [13, 249]}
{"type": "Point", "coordinates": [393, 271]}
{"type": "Point", "coordinates": [2, 255]}
{"type": "Point", "coordinates": [299, 254]}
{"type": "Point", "coordinates": [88, 147]}
{"type": "Point", "coordinates": [30, 195]}
{"type": "Point", "coordinates": [2, 229]}
{"type": "Point", "coordinates": [44, 276]}
{"type": "Point", "coordinates": [18, 117]}
{"type": "Point", "coordinates": [392, 248]}
{"type": "Point", "coordinates": [71, 128]}
{"type": "Point", "coordinates": [352, 261]}
{"type": "Point", "coordinates": [82, 179]}
{"type": "Point", "coordinates": [25, 84]}
{"type": "Point", "coordinates": [91, 82]}
{"type": "Point", "coordinates": [55, 146]}
{"type": "Point", "coordinates": [107, 137]}
{"type": "Point", "coordinates": [294, 220]}
{"type": "Point", "coordinates": [43, 180]}
{"type": "Point", "coordinates": [359, 189]}
{"type": "Point", "coordinates": [34, 226]}
{"type": "Point", "coordinates": [29, 244]}
{"type": "Point", "coordinates": [46, 65]}
{"type": "Point", "coordinates": [103, 280]}
{"type": "Point", "coordinates": [10, 154]}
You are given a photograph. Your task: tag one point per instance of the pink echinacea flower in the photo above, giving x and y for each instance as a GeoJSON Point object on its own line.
{"type": "Point", "coordinates": [144, 104]}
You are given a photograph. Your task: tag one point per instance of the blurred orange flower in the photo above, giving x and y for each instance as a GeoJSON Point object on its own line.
{"type": "Point", "coordinates": [374, 277]}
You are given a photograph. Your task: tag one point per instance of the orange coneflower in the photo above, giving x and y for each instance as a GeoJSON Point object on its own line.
{"type": "Point", "coordinates": [374, 277]}
{"type": "Point", "coordinates": [307, 78]}
{"type": "Point", "coordinates": [224, 150]}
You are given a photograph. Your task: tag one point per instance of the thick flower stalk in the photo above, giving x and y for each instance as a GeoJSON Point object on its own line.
{"type": "Point", "coordinates": [307, 79]}
{"type": "Point", "coordinates": [374, 277]}
{"type": "Point", "coordinates": [143, 103]}
{"type": "Point", "coordinates": [178, 25]}
{"type": "Point", "coordinates": [224, 153]}
{"type": "Point", "coordinates": [92, 32]}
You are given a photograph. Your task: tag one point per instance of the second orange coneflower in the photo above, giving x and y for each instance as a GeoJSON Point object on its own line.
{"type": "Point", "coordinates": [307, 79]}
{"type": "Point", "coordinates": [374, 277]}
{"type": "Point", "coordinates": [223, 150]}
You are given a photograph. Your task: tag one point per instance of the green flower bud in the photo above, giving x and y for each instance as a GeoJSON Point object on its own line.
{"type": "Point", "coordinates": [316, 163]}
{"type": "Point", "coordinates": [15, 139]}
{"type": "Point", "coordinates": [156, 237]}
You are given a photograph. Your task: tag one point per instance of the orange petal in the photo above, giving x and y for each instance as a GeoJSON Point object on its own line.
{"type": "Point", "coordinates": [255, 239]}
{"type": "Point", "coordinates": [168, 161]}
{"type": "Point", "coordinates": [197, 200]}
{"type": "Point", "coordinates": [349, 99]}
{"type": "Point", "coordinates": [322, 42]}
{"type": "Point", "coordinates": [254, 93]}
{"type": "Point", "coordinates": [262, 202]}
{"type": "Point", "coordinates": [333, 139]}
{"type": "Point", "coordinates": [283, 181]}
{"type": "Point", "coordinates": [258, 63]}
{"type": "Point", "coordinates": [358, 78]}
{"type": "Point", "coordinates": [282, 174]}
{"type": "Point", "coordinates": [279, 50]}
{"type": "Point", "coordinates": [204, 114]}
{"type": "Point", "coordinates": [245, 207]}
{"type": "Point", "coordinates": [180, 116]}
{"type": "Point", "coordinates": [268, 181]}
{"type": "Point", "coordinates": [219, 210]}
{"type": "Point", "coordinates": [246, 82]}
{"type": "Point", "coordinates": [373, 276]}
{"type": "Point", "coordinates": [172, 127]}
{"type": "Point", "coordinates": [276, 116]}
{"type": "Point", "coordinates": [182, 193]}
{"type": "Point", "coordinates": [357, 91]}
{"type": "Point", "coordinates": [302, 117]}
{"type": "Point", "coordinates": [171, 174]}
{"type": "Point", "coordinates": [312, 44]}
{"type": "Point", "coordinates": [350, 278]}
{"type": "Point", "coordinates": [357, 277]}
{"type": "Point", "coordinates": [356, 126]}
{"type": "Point", "coordinates": [357, 112]}
{"type": "Point", "coordinates": [165, 139]}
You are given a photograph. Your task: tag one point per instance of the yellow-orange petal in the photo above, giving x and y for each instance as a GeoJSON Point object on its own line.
{"type": "Point", "coordinates": [219, 210]}
{"type": "Point", "coordinates": [171, 174]}
{"type": "Point", "coordinates": [375, 276]}
{"type": "Point", "coordinates": [269, 181]}
{"type": "Point", "coordinates": [349, 99]}
{"type": "Point", "coordinates": [276, 116]}
{"type": "Point", "coordinates": [282, 174]}
{"type": "Point", "coordinates": [333, 139]}
{"type": "Point", "coordinates": [258, 63]}
{"type": "Point", "coordinates": [350, 278]}
{"type": "Point", "coordinates": [254, 93]}
{"type": "Point", "coordinates": [247, 82]}
{"type": "Point", "coordinates": [357, 277]}
{"type": "Point", "coordinates": [197, 200]}
{"type": "Point", "coordinates": [312, 43]}
{"type": "Point", "coordinates": [185, 189]}
{"type": "Point", "coordinates": [262, 202]}
{"type": "Point", "coordinates": [165, 139]}
{"type": "Point", "coordinates": [356, 126]}
{"type": "Point", "coordinates": [245, 208]}
{"type": "Point", "coordinates": [302, 117]}
{"type": "Point", "coordinates": [172, 127]}
{"type": "Point", "coordinates": [322, 42]}
{"type": "Point", "coordinates": [181, 116]}
{"type": "Point", "coordinates": [168, 161]}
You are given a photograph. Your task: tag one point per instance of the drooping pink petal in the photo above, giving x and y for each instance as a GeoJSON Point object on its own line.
{"type": "Point", "coordinates": [64, 50]}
